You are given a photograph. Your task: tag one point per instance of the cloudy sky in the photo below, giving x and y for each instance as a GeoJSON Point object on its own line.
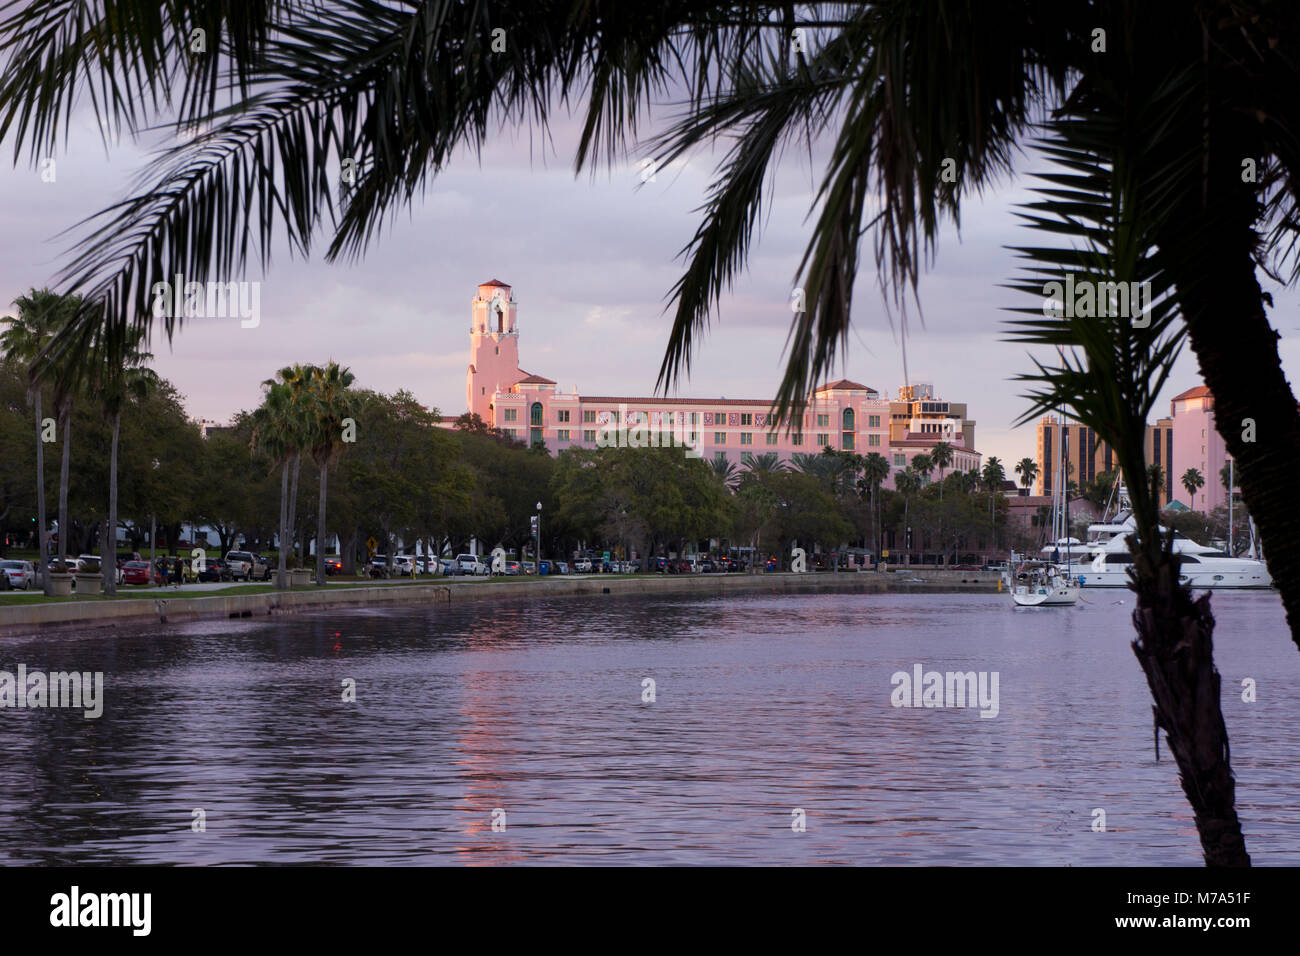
{"type": "Point", "coordinates": [591, 260]}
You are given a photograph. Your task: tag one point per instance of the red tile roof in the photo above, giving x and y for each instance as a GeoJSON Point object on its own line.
{"type": "Point", "coordinates": [1201, 391]}
{"type": "Point", "coordinates": [535, 380]}
{"type": "Point", "coordinates": [845, 383]}
{"type": "Point", "coordinates": [496, 282]}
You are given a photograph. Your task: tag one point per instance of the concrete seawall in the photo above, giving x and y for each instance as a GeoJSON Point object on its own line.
{"type": "Point", "coordinates": [33, 618]}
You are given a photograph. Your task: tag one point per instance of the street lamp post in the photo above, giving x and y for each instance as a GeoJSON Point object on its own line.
{"type": "Point", "coordinates": [539, 537]}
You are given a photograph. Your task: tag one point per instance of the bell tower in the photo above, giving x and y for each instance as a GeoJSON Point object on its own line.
{"type": "Point", "coordinates": [493, 348]}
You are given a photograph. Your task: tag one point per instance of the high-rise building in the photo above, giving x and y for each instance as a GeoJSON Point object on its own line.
{"type": "Point", "coordinates": [1197, 445]}
{"type": "Point", "coordinates": [1086, 456]}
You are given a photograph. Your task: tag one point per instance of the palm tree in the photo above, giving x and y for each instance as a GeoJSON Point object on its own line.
{"type": "Point", "coordinates": [1193, 482]}
{"type": "Point", "coordinates": [875, 469]}
{"type": "Point", "coordinates": [40, 314]}
{"type": "Point", "coordinates": [118, 380]}
{"type": "Point", "coordinates": [1027, 469]}
{"type": "Point", "coordinates": [282, 431]}
{"type": "Point", "coordinates": [993, 477]}
{"type": "Point", "coordinates": [1156, 478]}
{"type": "Point", "coordinates": [726, 472]}
{"type": "Point", "coordinates": [1108, 204]}
{"type": "Point", "coordinates": [923, 465]}
{"type": "Point", "coordinates": [908, 482]}
{"type": "Point", "coordinates": [768, 463]}
{"type": "Point", "coordinates": [331, 403]}
{"type": "Point", "coordinates": [942, 456]}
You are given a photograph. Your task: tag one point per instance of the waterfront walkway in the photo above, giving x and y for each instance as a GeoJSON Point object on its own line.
{"type": "Point", "coordinates": [34, 613]}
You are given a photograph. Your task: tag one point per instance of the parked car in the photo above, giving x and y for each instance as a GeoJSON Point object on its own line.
{"type": "Point", "coordinates": [262, 568]}
{"type": "Point", "coordinates": [241, 564]}
{"type": "Point", "coordinates": [215, 569]}
{"type": "Point", "coordinates": [471, 564]}
{"type": "Point", "coordinates": [142, 572]}
{"type": "Point", "coordinates": [18, 574]}
{"type": "Point", "coordinates": [403, 566]}
{"type": "Point", "coordinates": [514, 568]}
{"type": "Point", "coordinates": [560, 567]}
{"type": "Point", "coordinates": [582, 566]}
{"type": "Point", "coordinates": [530, 567]}
{"type": "Point", "coordinates": [379, 566]}
{"type": "Point", "coordinates": [125, 556]}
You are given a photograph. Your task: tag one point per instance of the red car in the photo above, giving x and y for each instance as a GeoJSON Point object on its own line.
{"type": "Point", "coordinates": [141, 572]}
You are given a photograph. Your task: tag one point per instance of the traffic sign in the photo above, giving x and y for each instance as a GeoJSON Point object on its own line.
{"type": "Point", "coordinates": [371, 544]}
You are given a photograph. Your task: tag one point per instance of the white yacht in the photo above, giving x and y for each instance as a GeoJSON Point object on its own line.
{"type": "Point", "coordinates": [1106, 560]}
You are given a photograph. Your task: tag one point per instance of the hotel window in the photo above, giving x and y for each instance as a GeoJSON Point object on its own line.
{"type": "Point", "coordinates": [563, 414]}
{"type": "Point", "coordinates": [589, 434]}
{"type": "Point", "coordinates": [536, 415]}
{"type": "Point", "coordinates": [589, 416]}
{"type": "Point", "coordinates": [823, 421]}
{"type": "Point", "coordinates": [900, 461]}
{"type": "Point", "coordinates": [613, 416]}
{"type": "Point", "coordinates": [719, 456]}
{"type": "Point", "coordinates": [719, 438]}
{"type": "Point", "coordinates": [771, 438]}
{"type": "Point", "coordinates": [747, 438]}
{"type": "Point", "coordinates": [695, 418]}
{"type": "Point", "coordinates": [746, 418]}
{"type": "Point", "coordinates": [821, 438]}
{"type": "Point", "coordinates": [512, 414]}
{"type": "Point", "coordinates": [563, 434]}
{"type": "Point", "coordinates": [846, 441]}
{"type": "Point", "coordinates": [873, 421]}
{"type": "Point", "coordinates": [695, 438]}
{"type": "Point", "coordinates": [747, 458]}
{"type": "Point", "coordinates": [719, 417]}
{"type": "Point", "coordinates": [796, 440]}
{"type": "Point", "coordinates": [873, 441]}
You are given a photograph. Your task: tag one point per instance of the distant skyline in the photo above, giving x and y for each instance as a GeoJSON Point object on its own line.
{"type": "Point", "coordinates": [591, 261]}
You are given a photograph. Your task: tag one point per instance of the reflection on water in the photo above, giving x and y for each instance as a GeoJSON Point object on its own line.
{"type": "Point", "coordinates": [763, 704]}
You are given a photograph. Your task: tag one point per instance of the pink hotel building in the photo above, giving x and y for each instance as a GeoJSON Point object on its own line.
{"type": "Point", "coordinates": [843, 414]}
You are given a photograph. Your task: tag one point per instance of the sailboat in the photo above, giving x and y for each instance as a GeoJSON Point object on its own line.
{"type": "Point", "coordinates": [1044, 583]}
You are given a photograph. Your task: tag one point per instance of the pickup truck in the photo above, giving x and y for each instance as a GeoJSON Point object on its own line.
{"type": "Point", "coordinates": [242, 565]}
{"type": "Point", "coordinates": [470, 564]}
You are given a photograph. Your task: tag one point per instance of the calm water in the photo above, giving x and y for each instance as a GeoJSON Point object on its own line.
{"type": "Point", "coordinates": [764, 704]}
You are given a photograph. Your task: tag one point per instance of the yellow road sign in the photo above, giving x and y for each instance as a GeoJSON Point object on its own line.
{"type": "Point", "coordinates": [371, 544]}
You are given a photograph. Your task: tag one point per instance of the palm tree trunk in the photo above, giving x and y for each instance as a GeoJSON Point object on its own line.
{"type": "Point", "coordinates": [1176, 650]}
{"type": "Point", "coordinates": [1213, 235]}
{"type": "Point", "coordinates": [63, 483]}
{"type": "Point", "coordinates": [109, 562]}
{"type": "Point", "coordinates": [320, 526]}
{"type": "Point", "coordinates": [293, 500]}
{"type": "Point", "coordinates": [42, 535]}
{"type": "Point", "coordinates": [281, 578]}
